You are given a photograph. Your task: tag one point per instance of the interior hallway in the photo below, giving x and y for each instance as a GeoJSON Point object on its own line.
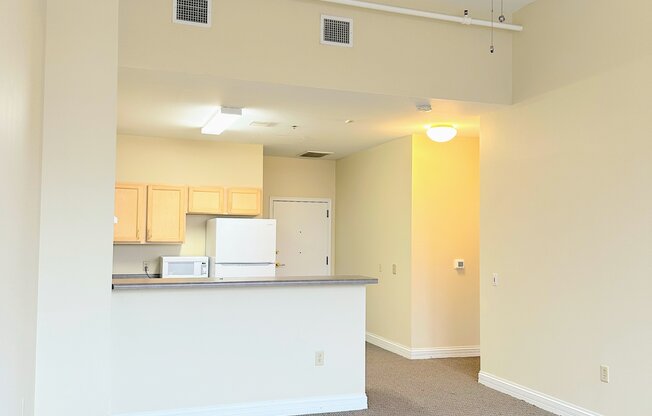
{"type": "Point", "coordinates": [442, 387]}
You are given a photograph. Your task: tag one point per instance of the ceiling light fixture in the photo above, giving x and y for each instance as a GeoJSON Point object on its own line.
{"type": "Point", "coordinates": [441, 134]}
{"type": "Point", "coordinates": [222, 120]}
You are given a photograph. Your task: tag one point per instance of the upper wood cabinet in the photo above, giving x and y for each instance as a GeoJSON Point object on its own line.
{"type": "Point", "coordinates": [129, 212]}
{"type": "Point", "coordinates": [244, 201]}
{"type": "Point", "coordinates": [166, 214]}
{"type": "Point", "coordinates": [205, 200]}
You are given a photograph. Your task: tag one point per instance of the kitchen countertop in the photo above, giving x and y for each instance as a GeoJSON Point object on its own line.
{"type": "Point", "coordinates": [170, 283]}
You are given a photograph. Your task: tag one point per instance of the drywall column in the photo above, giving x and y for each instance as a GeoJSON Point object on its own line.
{"type": "Point", "coordinates": [78, 162]}
{"type": "Point", "coordinates": [373, 232]}
{"type": "Point", "coordinates": [21, 101]}
{"type": "Point", "coordinates": [445, 226]}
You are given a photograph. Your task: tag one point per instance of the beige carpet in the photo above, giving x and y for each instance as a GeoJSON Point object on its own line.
{"type": "Point", "coordinates": [443, 387]}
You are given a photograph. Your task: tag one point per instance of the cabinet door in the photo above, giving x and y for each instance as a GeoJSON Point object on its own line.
{"type": "Point", "coordinates": [166, 214]}
{"type": "Point", "coordinates": [129, 212]}
{"type": "Point", "coordinates": [203, 200]}
{"type": "Point", "coordinates": [244, 201]}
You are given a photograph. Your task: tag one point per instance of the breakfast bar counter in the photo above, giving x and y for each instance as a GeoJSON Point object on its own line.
{"type": "Point", "coordinates": [169, 283]}
{"type": "Point", "coordinates": [263, 346]}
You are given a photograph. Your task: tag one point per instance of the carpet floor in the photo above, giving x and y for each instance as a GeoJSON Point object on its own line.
{"type": "Point", "coordinates": [442, 387]}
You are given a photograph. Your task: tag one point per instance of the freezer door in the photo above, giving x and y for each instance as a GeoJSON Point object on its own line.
{"type": "Point", "coordinates": [244, 240]}
{"type": "Point", "coordinates": [251, 271]}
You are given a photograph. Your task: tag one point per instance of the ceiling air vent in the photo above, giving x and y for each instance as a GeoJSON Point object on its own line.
{"type": "Point", "coordinates": [315, 155]}
{"type": "Point", "coordinates": [336, 31]}
{"type": "Point", "coordinates": [192, 12]}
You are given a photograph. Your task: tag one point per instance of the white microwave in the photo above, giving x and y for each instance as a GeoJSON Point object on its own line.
{"type": "Point", "coordinates": [179, 266]}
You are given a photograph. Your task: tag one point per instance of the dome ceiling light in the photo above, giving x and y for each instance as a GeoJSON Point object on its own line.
{"type": "Point", "coordinates": [441, 134]}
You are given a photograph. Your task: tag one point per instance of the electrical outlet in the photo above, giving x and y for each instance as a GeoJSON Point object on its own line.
{"type": "Point", "coordinates": [393, 269]}
{"type": "Point", "coordinates": [604, 373]}
{"type": "Point", "coordinates": [147, 266]}
{"type": "Point", "coordinates": [494, 279]}
{"type": "Point", "coordinates": [319, 358]}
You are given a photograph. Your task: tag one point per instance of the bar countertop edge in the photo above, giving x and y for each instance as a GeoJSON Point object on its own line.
{"type": "Point", "coordinates": [169, 283]}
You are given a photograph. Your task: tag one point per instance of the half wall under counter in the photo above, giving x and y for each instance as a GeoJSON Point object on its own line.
{"type": "Point", "coordinates": [211, 347]}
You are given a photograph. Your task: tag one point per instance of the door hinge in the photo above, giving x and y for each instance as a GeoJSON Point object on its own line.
{"type": "Point", "coordinates": [328, 212]}
{"type": "Point", "coordinates": [327, 260]}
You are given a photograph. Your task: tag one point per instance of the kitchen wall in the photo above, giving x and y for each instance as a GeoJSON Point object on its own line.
{"type": "Point", "coordinates": [373, 230]}
{"type": "Point", "coordinates": [294, 177]}
{"type": "Point", "coordinates": [72, 374]}
{"type": "Point", "coordinates": [181, 162]}
{"type": "Point", "coordinates": [279, 43]}
{"type": "Point", "coordinates": [566, 209]}
{"type": "Point", "coordinates": [22, 26]}
{"type": "Point", "coordinates": [445, 227]}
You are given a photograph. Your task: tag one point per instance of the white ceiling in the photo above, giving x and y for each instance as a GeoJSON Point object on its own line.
{"type": "Point", "coordinates": [165, 104]}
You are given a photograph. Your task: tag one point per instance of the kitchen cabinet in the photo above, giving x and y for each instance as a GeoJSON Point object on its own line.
{"type": "Point", "coordinates": [166, 214]}
{"type": "Point", "coordinates": [244, 201]}
{"type": "Point", "coordinates": [205, 200]}
{"type": "Point", "coordinates": [129, 211]}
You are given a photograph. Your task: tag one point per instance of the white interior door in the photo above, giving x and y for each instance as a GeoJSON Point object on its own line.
{"type": "Point", "coordinates": [302, 237]}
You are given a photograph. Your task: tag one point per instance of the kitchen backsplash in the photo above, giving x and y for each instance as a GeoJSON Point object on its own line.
{"type": "Point", "coordinates": [129, 258]}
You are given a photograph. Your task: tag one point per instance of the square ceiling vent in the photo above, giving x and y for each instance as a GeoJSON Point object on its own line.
{"type": "Point", "coordinates": [337, 31]}
{"type": "Point", "coordinates": [192, 12]}
{"type": "Point", "coordinates": [315, 154]}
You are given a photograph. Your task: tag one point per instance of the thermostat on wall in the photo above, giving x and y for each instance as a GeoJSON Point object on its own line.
{"type": "Point", "coordinates": [459, 264]}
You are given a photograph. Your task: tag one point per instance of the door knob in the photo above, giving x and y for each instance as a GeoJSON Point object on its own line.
{"type": "Point", "coordinates": [279, 265]}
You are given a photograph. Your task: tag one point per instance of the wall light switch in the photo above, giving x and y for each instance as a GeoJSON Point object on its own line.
{"type": "Point", "coordinates": [494, 279]}
{"type": "Point", "coordinates": [604, 373]}
{"type": "Point", "coordinates": [459, 264]}
{"type": "Point", "coordinates": [319, 358]}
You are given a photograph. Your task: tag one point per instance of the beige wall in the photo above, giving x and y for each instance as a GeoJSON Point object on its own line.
{"type": "Point", "coordinates": [22, 27]}
{"type": "Point", "coordinates": [445, 227]}
{"type": "Point", "coordinates": [286, 176]}
{"type": "Point", "coordinates": [278, 42]}
{"type": "Point", "coordinates": [78, 165]}
{"type": "Point", "coordinates": [307, 178]}
{"type": "Point", "coordinates": [413, 203]}
{"type": "Point", "coordinates": [566, 213]}
{"type": "Point", "coordinates": [373, 229]}
{"type": "Point", "coordinates": [181, 162]}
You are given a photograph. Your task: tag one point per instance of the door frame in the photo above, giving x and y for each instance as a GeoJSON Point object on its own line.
{"type": "Point", "coordinates": [309, 200]}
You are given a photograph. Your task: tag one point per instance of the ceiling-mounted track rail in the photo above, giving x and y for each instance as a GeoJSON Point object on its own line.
{"type": "Point", "coordinates": [425, 14]}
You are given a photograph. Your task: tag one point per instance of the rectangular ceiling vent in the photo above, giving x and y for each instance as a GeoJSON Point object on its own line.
{"type": "Point", "coordinates": [192, 12]}
{"type": "Point", "coordinates": [314, 154]}
{"type": "Point", "coordinates": [336, 31]}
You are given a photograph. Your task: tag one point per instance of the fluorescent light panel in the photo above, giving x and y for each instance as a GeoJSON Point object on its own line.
{"type": "Point", "coordinates": [222, 120]}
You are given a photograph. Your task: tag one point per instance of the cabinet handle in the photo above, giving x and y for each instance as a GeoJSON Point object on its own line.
{"type": "Point", "coordinates": [137, 233]}
{"type": "Point", "coordinates": [149, 235]}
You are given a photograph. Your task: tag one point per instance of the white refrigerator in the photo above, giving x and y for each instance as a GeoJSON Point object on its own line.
{"type": "Point", "coordinates": [241, 248]}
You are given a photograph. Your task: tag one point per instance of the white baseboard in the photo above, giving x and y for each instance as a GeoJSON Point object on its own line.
{"type": "Point", "coordinates": [543, 401]}
{"type": "Point", "coordinates": [422, 353]}
{"type": "Point", "coordinates": [305, 406]}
